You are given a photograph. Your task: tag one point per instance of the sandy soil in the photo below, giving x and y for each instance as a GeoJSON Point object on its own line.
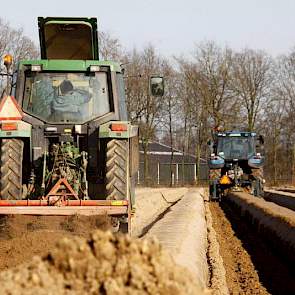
{"type": "Point", "coordinates": [251, 266]}
{"type": "Point", "coordinates": [182, 231]}
{"type": "Point", "coordinates": [217, 274]}
{"type": "Point", "coordinates": [179, 222]}
{"type": "Point", "coordinates": [102, 264]}
{"type": "Point", "coordinates": [150, 204]}
{"type": "Point", "coordinates": [22, 237]}
{"type": "Point", "coordinates": [241, 275]}
{"type": "Point", "coordinates": [282, 198]}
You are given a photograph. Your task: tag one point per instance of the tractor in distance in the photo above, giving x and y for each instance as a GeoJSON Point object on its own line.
{"type": "Point", "coordinates": [236, 163]}
{"type": "Point", "coordinates": [67, 146]}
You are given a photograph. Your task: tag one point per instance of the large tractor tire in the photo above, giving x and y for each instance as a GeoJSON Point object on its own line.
{"type": "Point", "coordinates": [117, 169]}
{"type": "Point", "coordinates": [257, 188]}
{"type": "Point", "coordinates": [214, 190]}
{"type": "Point", "coordinates": [257, 183]}
{"type": "Point", "coordinates": [11, 169]}
{"type": "Point", "coordinates": [214, 193]}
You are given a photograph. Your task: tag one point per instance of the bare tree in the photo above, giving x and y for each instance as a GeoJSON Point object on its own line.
{"type": "Point", "coordinates": [110, 48]}
{"type": "Point", "coordinates": [143, 108]}
{"type": "Point", "coordinates": [212, 76]}
{"type": "Point", "coordinates": [171, 108]}
{"type": "Point", "coordinates": [194, 111]}
{"type": "Point", "coordinates": [282, 120]}
{"type": "Point", "coordinates": [13, 41]}
{"type": "Point", "coordinates": [251, 81]}
{"type": "Point", "coordinates": [207, 96]}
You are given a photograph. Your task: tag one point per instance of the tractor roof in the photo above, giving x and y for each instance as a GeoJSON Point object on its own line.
{"type": "Point", "coordinates": [69, 44]}
{"type": "Point", "coordinates": [68, 38]}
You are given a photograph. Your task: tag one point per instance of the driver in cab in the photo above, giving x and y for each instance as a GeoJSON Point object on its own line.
{"type": "Point", "coordinates": [68, 101]}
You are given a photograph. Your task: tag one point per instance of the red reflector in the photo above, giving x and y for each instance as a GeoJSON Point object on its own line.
{"type": "Point", "coordinates": [9, 109]}
{"type": "Point", "coordinates": [118, 127]}
{"type": "Point", "coordinates": [9, 126]}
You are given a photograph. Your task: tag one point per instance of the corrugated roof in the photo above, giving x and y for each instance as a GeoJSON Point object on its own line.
{"type": "Point", "coordinates": [162, 153]}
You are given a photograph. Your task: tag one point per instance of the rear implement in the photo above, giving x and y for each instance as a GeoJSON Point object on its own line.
{"type": "Point", "coordinates": [70, 207]}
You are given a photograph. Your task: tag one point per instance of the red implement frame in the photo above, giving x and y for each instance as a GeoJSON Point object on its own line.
{"type": "Point", "coordinates": [68, 207]}
{"type": "Point", "coordinates": [58, 202]}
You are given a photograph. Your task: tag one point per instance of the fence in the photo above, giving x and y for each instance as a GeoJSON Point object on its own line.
{"type": "Point", "coordinates": [160, 173]}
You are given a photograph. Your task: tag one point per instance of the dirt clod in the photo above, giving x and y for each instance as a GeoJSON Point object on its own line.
{"type": "Point", "coordinates": [103, 264]}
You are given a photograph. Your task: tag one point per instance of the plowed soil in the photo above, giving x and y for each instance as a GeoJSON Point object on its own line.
{"type": "Point", "coordinates": [251, 266]}
{"type": "Point", "coordinates": [22, 237]}
{"type": "Point", "coordinates": [75, 259]}
{"type": "Point", "coordinates": [103, 264]}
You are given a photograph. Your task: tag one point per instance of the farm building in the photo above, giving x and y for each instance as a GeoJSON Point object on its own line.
{"type": "Point", "coordinates": [183, 168]}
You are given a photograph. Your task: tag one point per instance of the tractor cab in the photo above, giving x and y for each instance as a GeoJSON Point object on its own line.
{"type": "Point", "coordinates": [68, 85]}
{"type": "Point", "coordinates": [74, 97]}
{"type": "Point", "coordinates": [235, 145]}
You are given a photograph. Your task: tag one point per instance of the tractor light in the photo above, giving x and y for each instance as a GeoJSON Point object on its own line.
{"type": "Point", "coordinates": [214, 157]}
{"type": "Point", "coordinates": [94, 68]}
{"type": "Point", "coordinates": [36, 68]}
{"type": "Point", "coordinates": [9, 126]}
{"type": "Point", "coordinates": [67, 130]}
{"type": "Point", "coordinates": [118, 127]}
{"type": "Point", "coordinates": [119, 202]}
{"type": "Point", "coordinates": [78, 129]}
{"type": "Point", "coordinates": [51, 129]}
{"type": "Point", "coordinates": [7, 60]}
{"type": "Point", "coordinates": [224, 180]}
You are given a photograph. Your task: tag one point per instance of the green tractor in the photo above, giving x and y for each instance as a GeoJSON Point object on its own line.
{"type": "Point", "coordinates": [67, 146]}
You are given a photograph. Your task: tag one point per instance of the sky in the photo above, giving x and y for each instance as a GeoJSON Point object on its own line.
{"type": "Point", "coordinates": [173, 27]}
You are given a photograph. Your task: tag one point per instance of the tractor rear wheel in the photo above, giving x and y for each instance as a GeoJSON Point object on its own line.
{"type": "Point", "coordinates": [11, 169]}
{"type": "Point", "coordinates": [257, 183]}
{"type": "Point", "coordinates": [214, 190]}
{"type": "Point", "coordinates": [117, 169]}
{"type": "Point", "coordinates": [257, 188]}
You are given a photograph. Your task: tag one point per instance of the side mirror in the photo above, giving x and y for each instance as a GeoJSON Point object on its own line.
{"type": "Point", "coordinates": [157, 86]}
{"type": "Point", "coordinates": [209, 142]}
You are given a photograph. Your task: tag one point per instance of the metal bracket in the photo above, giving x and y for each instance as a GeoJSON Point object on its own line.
{"type": "Point", "coordinates": [60, 193]}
